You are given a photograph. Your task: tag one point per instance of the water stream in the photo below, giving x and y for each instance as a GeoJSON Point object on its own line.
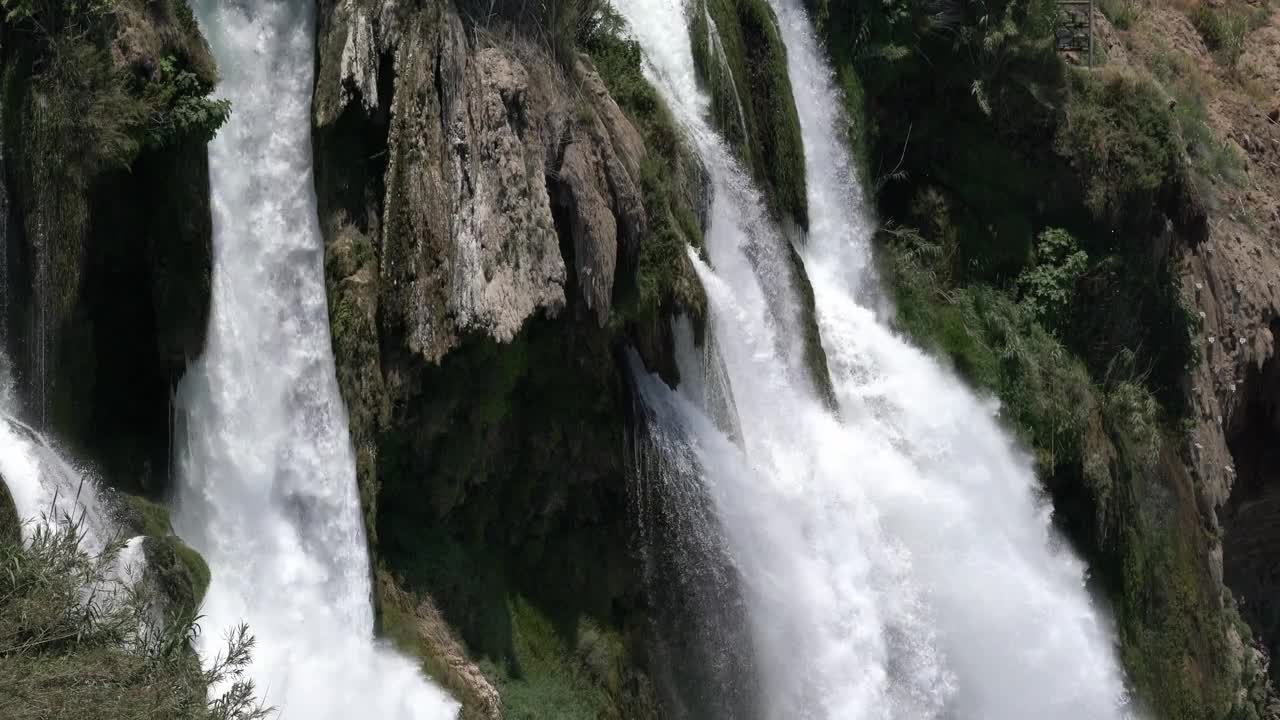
{"type": "Point", "coordinates": [896, 556]}
{"type": "Point", "coordinates": [266, 475]}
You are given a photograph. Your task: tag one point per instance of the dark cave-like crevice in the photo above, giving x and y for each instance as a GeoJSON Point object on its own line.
{"type": "Point", "coordinates": [1251, 519]}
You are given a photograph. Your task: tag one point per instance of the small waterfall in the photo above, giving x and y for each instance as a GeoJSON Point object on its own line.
{"type": "Point", "coordinates": [267, 490]}
{"type": "Point", "coordinates": [895, 556]}
{"type": "Point", "coordinates": [701, 656]}
{"type": "Point", "coordinates": [46, 487]}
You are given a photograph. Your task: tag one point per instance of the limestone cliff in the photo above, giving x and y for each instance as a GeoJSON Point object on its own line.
{"type": "Point", "coordinates": [497, 231]}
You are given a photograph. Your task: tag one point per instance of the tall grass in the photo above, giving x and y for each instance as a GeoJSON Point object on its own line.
{"type": "Point", "coordinates": [80, 640]}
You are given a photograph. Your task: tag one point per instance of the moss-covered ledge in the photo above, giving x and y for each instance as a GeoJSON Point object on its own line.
{"type": "Point", "coordinates": [739, 53]}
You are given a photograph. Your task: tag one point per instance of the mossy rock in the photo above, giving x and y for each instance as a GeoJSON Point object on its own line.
{"type": "Point", "coordinates": [10, 523]}
{"type": "Point", "coordinates": [752, 101]}
{"type": "Point", "coordinates": [180, 573]}
{"type": "Point", "coordinates": [137, 515]}
{"type": "Point", "coordinates": [673, 182]}
{"type": "Point", "coordinates": [579, 672]}
{"type": "Point", "coordinates": [177, 570]}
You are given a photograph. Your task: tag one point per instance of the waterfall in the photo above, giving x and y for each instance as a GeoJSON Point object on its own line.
{"type": "Point", "coordinates": [266, 487]}
{"type": "Point", "coordinates": [896, 556]}
{"type": "Point", "coordinates": [46, 487]}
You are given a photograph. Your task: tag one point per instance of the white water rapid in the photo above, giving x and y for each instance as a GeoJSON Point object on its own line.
{"type": "Point", "coordinates": [896, 558]}
{"type": "Point", "coordinates": [266, 488]}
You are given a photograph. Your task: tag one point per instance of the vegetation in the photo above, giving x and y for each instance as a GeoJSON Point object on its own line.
{"type": "Point", "coordinates": [1212, 159]}
{"type": "Point", "coordinates": [1223, 30]}
{"type": "Point", "coordinates": [663, 279]}
{"type": "Point", "coordinates": [1119, 135]}
{"type": "Point", "coordinates": [579, 674]}
{"type": "Point", "coordinates": [1122, 13]}
{"type": "Point", "coordinates": [104, 102]}
{"type": "Point", "coordinates": [102, 113]}
{"type": "Point", "coordinates": [79, 640]}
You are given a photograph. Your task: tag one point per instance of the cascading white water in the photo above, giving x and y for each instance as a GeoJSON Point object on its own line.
{"type": "Point", "coordinates": [266, 488]}
{"type": "Point", "coordinates": [897, 558]}
{"type": "Point", "coordinates": [47, 488]}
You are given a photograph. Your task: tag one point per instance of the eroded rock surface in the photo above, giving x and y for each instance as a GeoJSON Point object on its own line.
{"type": "Point", "coordinates": [486, 142]}
{"type": "Point", "coordinates": [480, 202]}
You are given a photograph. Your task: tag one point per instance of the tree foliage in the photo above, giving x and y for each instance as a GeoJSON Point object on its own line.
{"type": "Point", "coordinates": [181, 107]}
{"type": "Point", "coordinates": [1049, 286]}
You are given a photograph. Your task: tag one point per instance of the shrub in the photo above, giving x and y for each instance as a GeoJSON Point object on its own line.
{"type": "Point", "coordinates": [181, 109]}
{"type": "Point", "coordinates": [998, 345]}
{"type": "Point", "coordinates": [1049, 286]}
{"type": "Point", "coordinates": [1118, 133]}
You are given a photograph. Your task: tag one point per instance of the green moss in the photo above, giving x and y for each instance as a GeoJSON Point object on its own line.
{"type": "Point", "coordinates": [10, 523]}
{"type": "Point", "coordinates": [660, 281]}
{"type": "Point", "coordinates": [196, 569]}
{"type": "Point", "coordinates": [140, 516]}
{"type": "Point", "coordinates": [574, 674]}
{"type": "Point", "coordinates": [544, 680]}
{"type": "Point", "coordinates": [670, 182]}
{"type": "Point", "coordinates": [179, 572]}
{"type": "Point", "coordinates": [741, 56]}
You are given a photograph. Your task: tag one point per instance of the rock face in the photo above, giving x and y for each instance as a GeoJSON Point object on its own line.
{"type": "Point", "coordinates": [484, 209]}
{"type": "Point", "coordinates": [108, 242]}
{"type": "Point", "coordinates": [484, 145]}
{"type": "Point", "coordinates": [473, 244]}
{"type": "Point", "coordinates": [1231, 278]}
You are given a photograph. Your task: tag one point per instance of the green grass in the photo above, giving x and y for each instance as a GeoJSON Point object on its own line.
{"type": "Point", "coordinates": [68, 653]}
{"type": "Point", "coordinates": [558, 676]}
{"type": "Point", "coordinates": [546, 683]}
{"type": "Point", "coordinates": [1123, 14]}
{"type": "Point", "coordinates": [1223, 30]}
{"type": "Point", "coordinates": [1212, 158]}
